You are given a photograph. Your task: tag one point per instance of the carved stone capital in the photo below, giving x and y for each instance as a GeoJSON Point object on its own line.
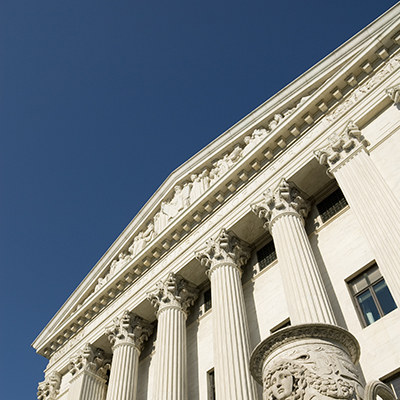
{"type": "Point", "coordinates": [284, 199]}
{"type": "Point", "coordinates": [226, 248]}
{"type": "Point", "coordinates": [394, 94]}
{"type": "Point", "coordinates": [50, 387]}
{"type": "Point", "coordinates": [174, 292]}
{"type": "Point", "coordinates": [341, 147]}
{"type": "Point", "coordinates": [90, 359]}
{"type": "Point", "coordinates": [130, 328]}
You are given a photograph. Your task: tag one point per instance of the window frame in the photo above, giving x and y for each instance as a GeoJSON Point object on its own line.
{"type": "Point", "coordinates": [369, 288]}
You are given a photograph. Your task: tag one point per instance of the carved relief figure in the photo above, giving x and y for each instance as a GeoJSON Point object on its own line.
{"type": "Point", "coordinates": [285, 380]}
{"type": "Point", "coordinates": [197, 187]}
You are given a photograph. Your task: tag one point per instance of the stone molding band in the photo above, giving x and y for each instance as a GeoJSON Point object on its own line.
{"type": "Point", "coordinates": [328, 332]}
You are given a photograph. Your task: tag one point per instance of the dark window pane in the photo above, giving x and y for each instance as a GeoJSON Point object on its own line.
{"type": "Point", "coordinates": [384, 297]}
{"type": "Point", "coordinates": [395, 383]}
{"type": "Point", "coordinates": [368, 307]}
{"type": "Point", "coordinates": [266, 255]}
{"type": "Point", "coordinates": [207, 300]}
{"type": "Point", "coordinates": [330, 206]}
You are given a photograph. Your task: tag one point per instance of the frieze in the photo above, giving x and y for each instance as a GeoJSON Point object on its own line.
{"type": "Point", "coordinates": [361, 91]}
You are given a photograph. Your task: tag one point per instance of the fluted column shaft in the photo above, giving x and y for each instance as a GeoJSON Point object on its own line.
{"type": "Point", "coordinates": [127, 337]}
{"type": "Point", "coordinates": [87, 386]}
{"type": "Point", "coordinates": [89, 371]}
{"type": "Point", "coordinates": [224, 256]}
{"type": "Point", "coordinates": [172, 299]}
{"type": "Point", "coordinates": [282, 211]}
{"type": "Point", "coordinates": [371, 200]}
{"type": "Point", "coordinates": [305, 292]}
{"type": "Point", "coordinates": [124, 372]}
{"type": "Point", "coordinates": [171, 355]}
{"type": "Point", "coordinates": [231, 334]}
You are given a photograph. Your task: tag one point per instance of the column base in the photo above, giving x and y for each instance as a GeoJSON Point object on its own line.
{"type": "Point", "coordinates": [308, 361]}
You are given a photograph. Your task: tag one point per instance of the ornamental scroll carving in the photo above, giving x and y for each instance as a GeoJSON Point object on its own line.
{"type": "Point", "coordinates": [225, 248]}
{"type": "Point", "coordinates": [285, 198]}
{"type": "Point", "coordinates": [50, 387]}
{"type": "Point", "coordinates": [90, 359]}
{"type": "Point", "coordinates": [174, 292]}
{"type": "Point", "coordinates": [341, 146]}
{"type": "Point", "coordinates": [130, 328]}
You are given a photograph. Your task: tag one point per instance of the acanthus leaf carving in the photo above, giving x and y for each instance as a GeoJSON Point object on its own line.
{"type": "Point", "coordinates": [341, 146]}
{"type": "Point", "coordinates": [225, 248]}
{"type": "Point", "coordinates": [173, 292]}
{"type": "Point", "coordinates": [90, 359]}
{"type": "Point", "coordinates": [130, 328]}
{"type": "Point", "coordinates": [285, 198]}
{"type": "Point", "coordinates": [394, 93]}
{"type": "Point", "coordinates": [50, 387]}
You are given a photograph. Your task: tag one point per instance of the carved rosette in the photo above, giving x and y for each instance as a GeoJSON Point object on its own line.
{"type": "Point", "coordinates": [285, 199]}
{"type": "Point", "coordinates": [174, 292]}
{"type": "Point", "coordinates": [130, 328]}
{"type": "Point", "coordinates": [341, 147]}
{"type": "Point", "coordinates": [90, 359]}
{"type": "Point", "coordinates": [394, 94]}
{"type": "Point", "coordinates": [310, 360]}
{"type": "Point", "coordinates": [226, 248]}
{"type": "Point", "coordinates": [50, 387]}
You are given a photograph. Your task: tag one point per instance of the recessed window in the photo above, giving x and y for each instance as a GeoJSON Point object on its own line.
{"type": "Point", "coordinates": [394, 383]}
{"type": "Point", "coordinates": [372, 296]}
{"type": "Point", "coordinates": [207, 300]}
{"type": "Point", "coordinates": [283, 324]}
{"type": "Point", "coordinates": [211, 385]}
{"type": "Point", "coordinates": [266, 255]}
{"type": "Point", "coordinates": [331, 205]}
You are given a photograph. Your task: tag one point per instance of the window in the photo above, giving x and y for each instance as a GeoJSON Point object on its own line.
{"type": "Point", "coordinates": [331, 205]}
{"type": "Point", "coordinates": [371, 295]}
{"type": "Point", "coordinates": [394, 383]}
{"type": "Point", "coordinates": [207, 300]}
{"type": "Point", "coordinates": [211, 385]}
{"type": "Point", "coordinates": [266, 255]}
{"type": "Point", "coordinates": [283, 324]}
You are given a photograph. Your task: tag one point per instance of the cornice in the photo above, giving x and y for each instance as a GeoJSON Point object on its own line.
{"type": "Point", "coordinates": [347, 77]}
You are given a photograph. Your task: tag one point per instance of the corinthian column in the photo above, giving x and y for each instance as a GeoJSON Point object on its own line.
{"type": "Point", "coordinates": [282, 212]}
{"type": "Point", "coordinates": [224, 256]}
{"type": "Point", "coordinates": [127, 338]}
{"type": "Point", "coordinates": [172, 299]}
{"type": "Point", "coordinates": [89, 373]}
{"type": "Point", "coordinates": [370, 198]}
{"type": "Point", "coordinates": [50, 387]}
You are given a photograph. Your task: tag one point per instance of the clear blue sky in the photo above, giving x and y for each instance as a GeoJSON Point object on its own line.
{"type": "Point", "coordinates": [100, 101]}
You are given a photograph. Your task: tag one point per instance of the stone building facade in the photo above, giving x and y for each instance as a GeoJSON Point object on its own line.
{"type": "Point", "coordinates": [266, 266]}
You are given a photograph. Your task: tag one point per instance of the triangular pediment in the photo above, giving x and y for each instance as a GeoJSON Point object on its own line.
{"type": "Point", "coordinates": [197, 187]}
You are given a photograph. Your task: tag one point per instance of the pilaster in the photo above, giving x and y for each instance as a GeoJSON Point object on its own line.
{"type": "Point", "coordinates": [89, 372]}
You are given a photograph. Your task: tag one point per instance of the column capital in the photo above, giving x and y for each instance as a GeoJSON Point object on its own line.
{"type": "Point", "coordinates": [50, 387]}
{"type": "Point", "coordinates": [341, 147]}
{"type": "Point", "coordinates": [226, 248]}
{"type": "Point", "coordinates": [284, 199]}
{"type": "Point", "coordinates": [130, 328]}
{"type": "Point", "coordinates": [174, 292]}
{"type": "Point", "coordinates": [394, 93]}
{"type": "Point", "coordinates": [90, 359]}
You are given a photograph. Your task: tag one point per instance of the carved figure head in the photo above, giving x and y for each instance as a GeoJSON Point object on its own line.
{"type": "Point", "coordinates": [285, 380]}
